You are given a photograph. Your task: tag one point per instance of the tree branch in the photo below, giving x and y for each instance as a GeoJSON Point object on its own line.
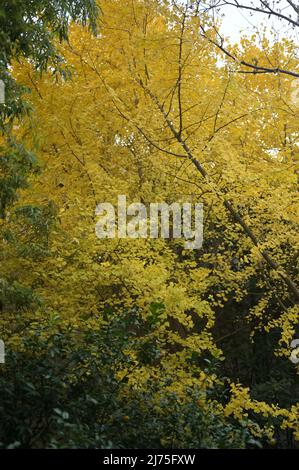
{"type": "Point", "coordinates": [227, 204]}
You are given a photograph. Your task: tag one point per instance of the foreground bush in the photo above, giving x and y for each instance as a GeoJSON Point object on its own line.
{"type": "Point", "coordinates": [72, 389]}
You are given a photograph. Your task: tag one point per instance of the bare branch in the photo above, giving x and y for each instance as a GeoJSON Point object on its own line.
{"type": "Point", "coordinates": [264, 9]}
{"type": "Point", "coordinates": [256, 68]}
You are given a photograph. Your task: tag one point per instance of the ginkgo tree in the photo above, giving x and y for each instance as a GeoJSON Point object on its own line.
{"type": "Point", "coordinates": [153, 112]}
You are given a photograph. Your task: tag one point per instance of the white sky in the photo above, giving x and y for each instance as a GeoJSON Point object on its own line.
{"type": "Point", "coordinates": [237, 22]}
